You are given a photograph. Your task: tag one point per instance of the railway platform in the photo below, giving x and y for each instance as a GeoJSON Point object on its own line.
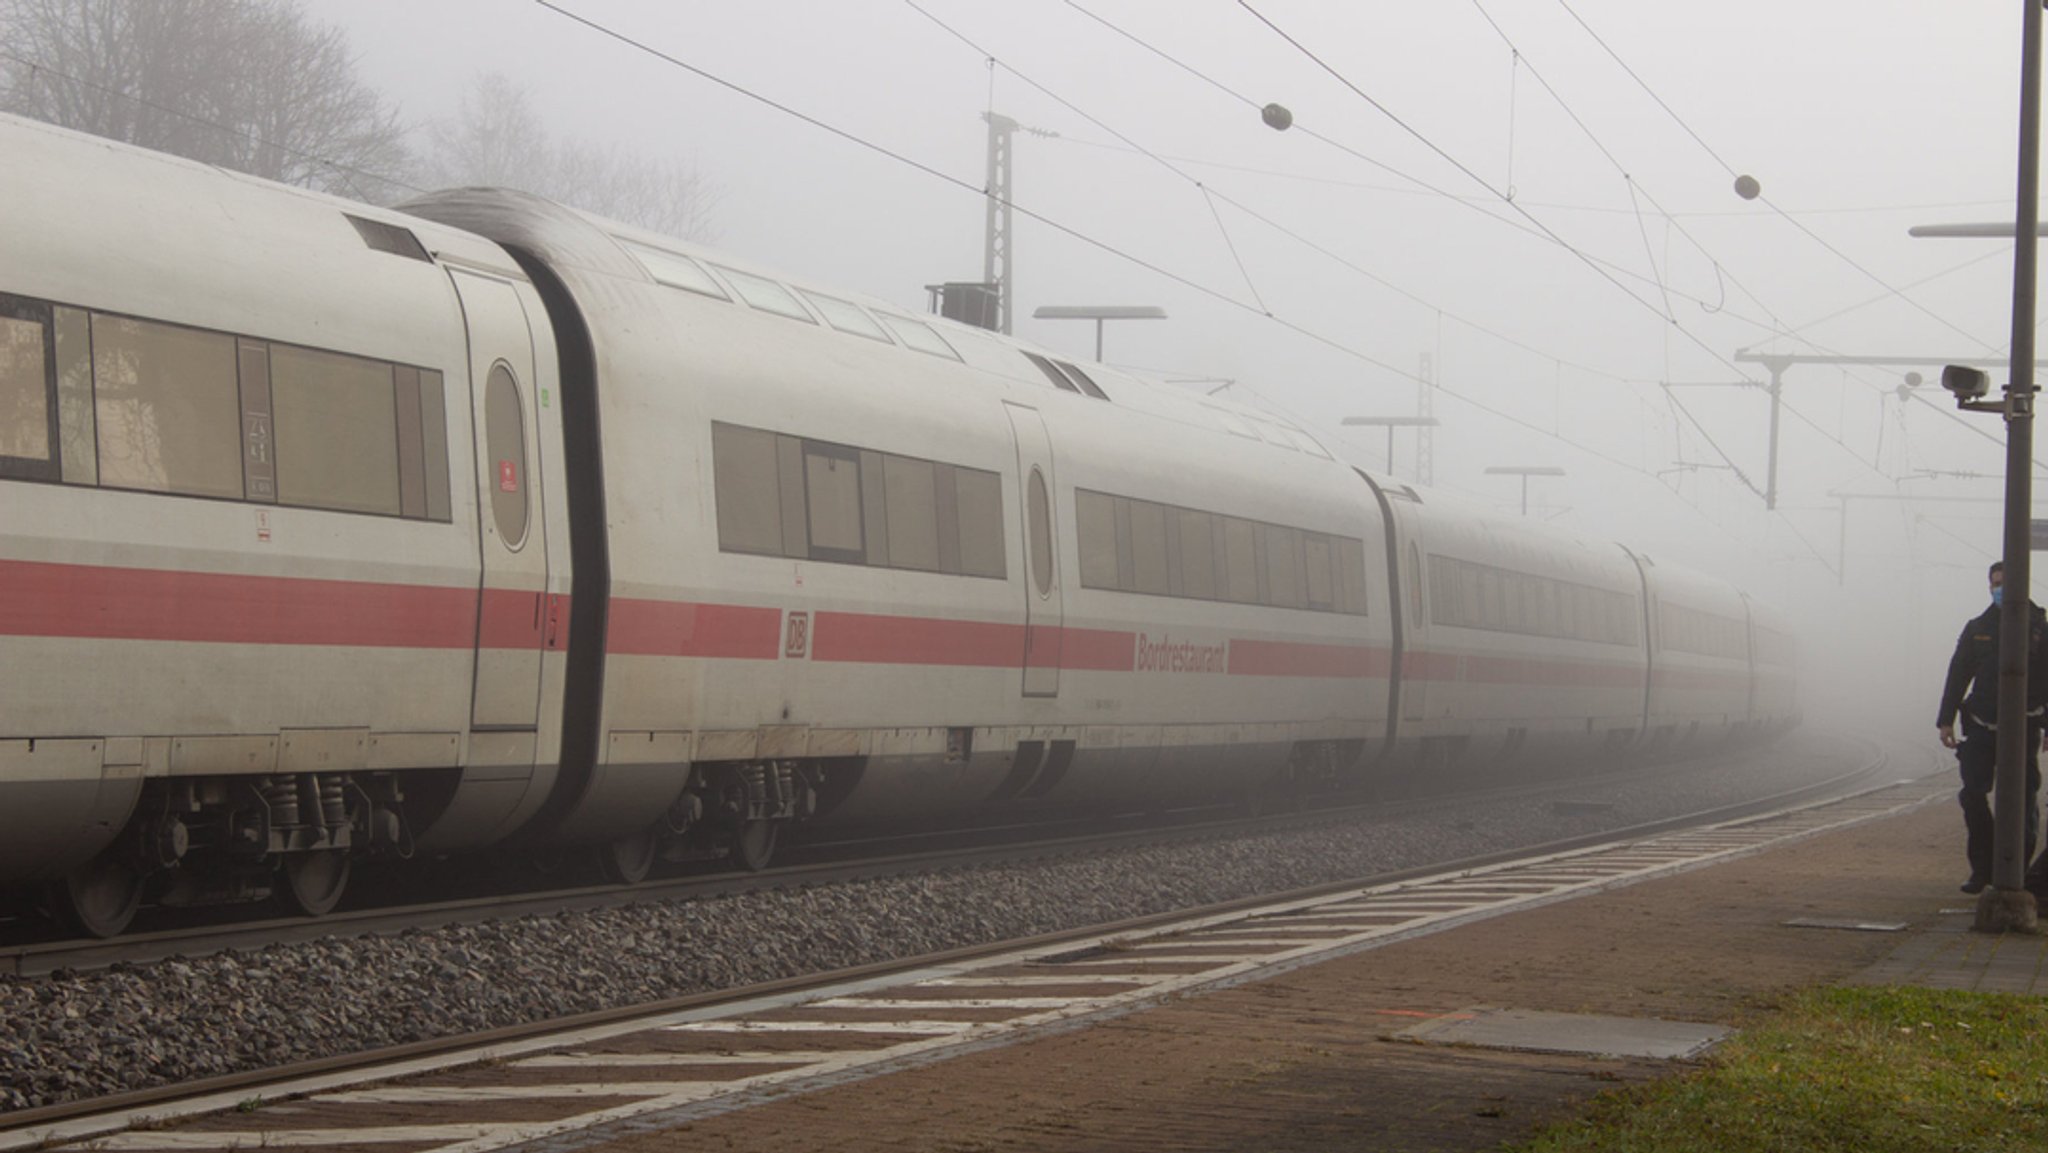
{"type": "Point", "coordinates": [1456, 1040]}
{"type": "Point", "coordinates": [1451, 1012]}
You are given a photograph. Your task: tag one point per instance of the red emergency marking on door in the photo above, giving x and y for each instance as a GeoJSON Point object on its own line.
{"type": "Point", "coordinates": [797, 639]}
{"type": "Point", "coordinates": [508, 476]}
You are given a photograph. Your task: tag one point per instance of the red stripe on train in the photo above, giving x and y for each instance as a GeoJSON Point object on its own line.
{"type": "Point", "coordinates": [684, 629]}
{"type": "Point", "coordinates": [1294, 659]}
{"type": "Point", "coordinates": [95, 601]}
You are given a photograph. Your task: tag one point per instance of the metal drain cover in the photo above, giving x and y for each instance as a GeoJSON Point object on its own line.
{"type": "Point", "coordinates": [1531, 1031]}
{"type": "Point", "coordinates": [1836, 923]}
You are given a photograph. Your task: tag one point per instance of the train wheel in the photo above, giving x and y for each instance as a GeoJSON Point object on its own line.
{"type": "Point", "coordinates": [755, 845]}
{"type": "Point", "coordinates": [98, 898]}
{"type": "Point", "coordinates": [628, 860]}
{"type": "Point", "coordinates": [313, 882]}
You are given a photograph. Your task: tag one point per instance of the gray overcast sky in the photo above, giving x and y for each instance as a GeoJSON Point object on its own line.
{"type": "Point", "coordinates": [1859, 119]}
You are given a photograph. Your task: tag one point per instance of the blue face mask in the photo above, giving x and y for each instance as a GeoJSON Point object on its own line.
{"type": "Point", "coordinates": [1998, 595]}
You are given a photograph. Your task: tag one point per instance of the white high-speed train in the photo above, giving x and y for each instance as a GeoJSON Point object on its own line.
{"type": "Point", "coordinates": [328, 529]}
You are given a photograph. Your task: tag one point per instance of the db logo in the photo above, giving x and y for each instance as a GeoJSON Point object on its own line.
{"type": "Point", "coordinates": [796, 642]}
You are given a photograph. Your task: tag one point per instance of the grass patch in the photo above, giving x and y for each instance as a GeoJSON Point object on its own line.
{"type": "Point", "coordinates": [1867, 1069]}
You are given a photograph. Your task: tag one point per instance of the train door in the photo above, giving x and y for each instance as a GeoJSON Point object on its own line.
{"type": "Point", "coordinates": [1043, 613]}
{"type": "Point", "coordinates": [1417, 667]}
{"type": "Point", "coordinates": [512, 609]}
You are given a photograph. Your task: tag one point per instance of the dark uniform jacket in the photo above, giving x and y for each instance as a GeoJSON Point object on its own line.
{"type": "Point", "coordinates": [1973, 670]}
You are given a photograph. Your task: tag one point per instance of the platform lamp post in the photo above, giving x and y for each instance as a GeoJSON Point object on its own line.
{"type": "Point", "coordinates": [1525, 471]}
{"type": "Point", "coordinates": [1390, 423]}
{"type": "Point", "coordinates": [1099, 313]}
{"type": "Point", "coordinates": [2007, 904]}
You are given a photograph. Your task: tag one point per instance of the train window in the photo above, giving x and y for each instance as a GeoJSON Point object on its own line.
{"type": "Point", "coordinates": [845, 316]}
{"type": "Point", "coordinates": [979, 502]}
{"type": "Point", "coordinates": [918, 335]}
{"type": "Point", "coordinates": [1414, 583]}
{"type": "Point", "coordinates": [1315, 557]}
{"type": "Point", "coordinates": [748, 491]}
{"type": "Point", "coordinates": [1095, 530]}
{"type": "Point", "coordinates": [1351, 594]}
{"type": "Point", "coordinates": [832, 501]}
{"type": "Point", "coordinates": [337, 436]}
{"type": "Point", "coordinates": [166, 408]}
{"type": "Point", "coordinates": [1241, 561]}
{"type": "Point", "coordinates": [765, 294]}
{"type": "Point", "coordinates": [913, 513]}
{"type": "Point", "coordinates": [74, 396]}
{"type": "Point", "coordinates": [675, 271]}
{"type": "Point", "coordinates": [434, 436]}
{"type": "Point", "coordinates": [949, 518]}
{"type": "Point", "coordinates": [1283, 567]}
{"type": "Point", "coordinates": [1059, 379]}
{"type": "Point", "coordinates": [28, 440]}
{"type": "Point", "coordinates": [1148, 547]}
{"type": "Point", "coordinates": [1087, 383]}
{"type": "Point", "coordinates": [412, 455]}
{"type": "Point", "coordinates": [874, 512]}
{"type": "Point", "coordinates": [1197, 554]}
{"type": "Point", "coordinates": [505, 439]}
{"type": "Point", "coordinates": [1040, 509]}
{"type": "Point", "coordinates": [259, 431]}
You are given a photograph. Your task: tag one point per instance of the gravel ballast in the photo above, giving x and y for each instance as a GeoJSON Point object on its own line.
{"type": "Point", "coordinates": [67, 1036]}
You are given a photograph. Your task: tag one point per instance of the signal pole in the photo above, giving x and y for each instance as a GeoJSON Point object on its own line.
{"type": "Point", "coordinates": [995, 260]}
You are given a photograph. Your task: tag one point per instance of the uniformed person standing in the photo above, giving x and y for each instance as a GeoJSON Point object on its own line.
{"type": "Point", "coordinates": [1972, 691]}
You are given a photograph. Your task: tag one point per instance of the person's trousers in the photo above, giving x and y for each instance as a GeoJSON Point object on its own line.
{"type": "Point", "coordinates": [1977, 759]}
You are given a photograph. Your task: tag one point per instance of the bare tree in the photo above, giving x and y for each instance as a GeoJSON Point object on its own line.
{"type": "Point", "coordinates": [251, 85]}
{"type": "Point", "coordinates": [496, 138]}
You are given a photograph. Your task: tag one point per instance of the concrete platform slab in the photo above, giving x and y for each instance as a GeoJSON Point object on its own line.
{"type": "Point", "coordinates": [1534, 1031]}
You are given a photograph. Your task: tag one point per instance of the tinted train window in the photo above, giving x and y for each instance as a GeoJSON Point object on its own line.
{"type": "Point", "coordinates": [832, 495]}
{"type": "Point", "coordinates": [1142, 546]}
{"type": "Point", "coordinates": [1705, 634]}
{"type": "Point", "coordinates": [912, 504]}
{"type": "Point", "coordinates": [167, 408]}
{"type": "Point", "coordinates": [143, 405]}
{"type": "Point", "coordinates": [74, 396]}
{"type": "Point", "coordinates": [505, 438]}
{"type": "Point", "coordinates": [745, 479]}
{"type": "Point", "coordinates": [27, 380]}
{"type": "Point", "coordinates": [1041, 534]}
{"type": "Point", "coordinates": [780, 495]}
{"type": "Point", "coordinates": [337, 432]}
{"type": "Point", "coordinates": [978, 500]}
{"type": "Point", "coordinates": [1467, 594]}
{"type": "Point", "coordinates": [1197, 554]}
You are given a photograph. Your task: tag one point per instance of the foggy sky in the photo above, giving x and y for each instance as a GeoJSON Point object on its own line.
{"type": "Point", "coordinates": [1859, 120]}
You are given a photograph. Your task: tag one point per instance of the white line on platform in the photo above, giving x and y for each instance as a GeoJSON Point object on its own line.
{"type": "Point", "coordinates": [663, 1060]}
{"type": "Point", "coordinates": [920, 1028]}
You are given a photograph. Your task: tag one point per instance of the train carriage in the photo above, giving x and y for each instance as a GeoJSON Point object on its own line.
{"type": "Point", "coordinates": [244, 593]}
{"type": "Point", "coordinates": [1523, 645]}
{"type": "Point", "coordinates": [1700, 660]}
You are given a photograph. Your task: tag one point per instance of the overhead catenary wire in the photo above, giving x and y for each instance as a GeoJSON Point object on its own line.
{"type": "Point", "coordinates": [1430, 144]}
{"type": "Point", "coordinates": [1788, 217]}
{"type": "Point", "coordinates": [1102, 245]}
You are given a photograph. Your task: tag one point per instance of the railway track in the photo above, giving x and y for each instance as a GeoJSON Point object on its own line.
{"type": "Point", "coordinates": [1627, 858]}
{"type": "Point", "coordinates": [820, 861]}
